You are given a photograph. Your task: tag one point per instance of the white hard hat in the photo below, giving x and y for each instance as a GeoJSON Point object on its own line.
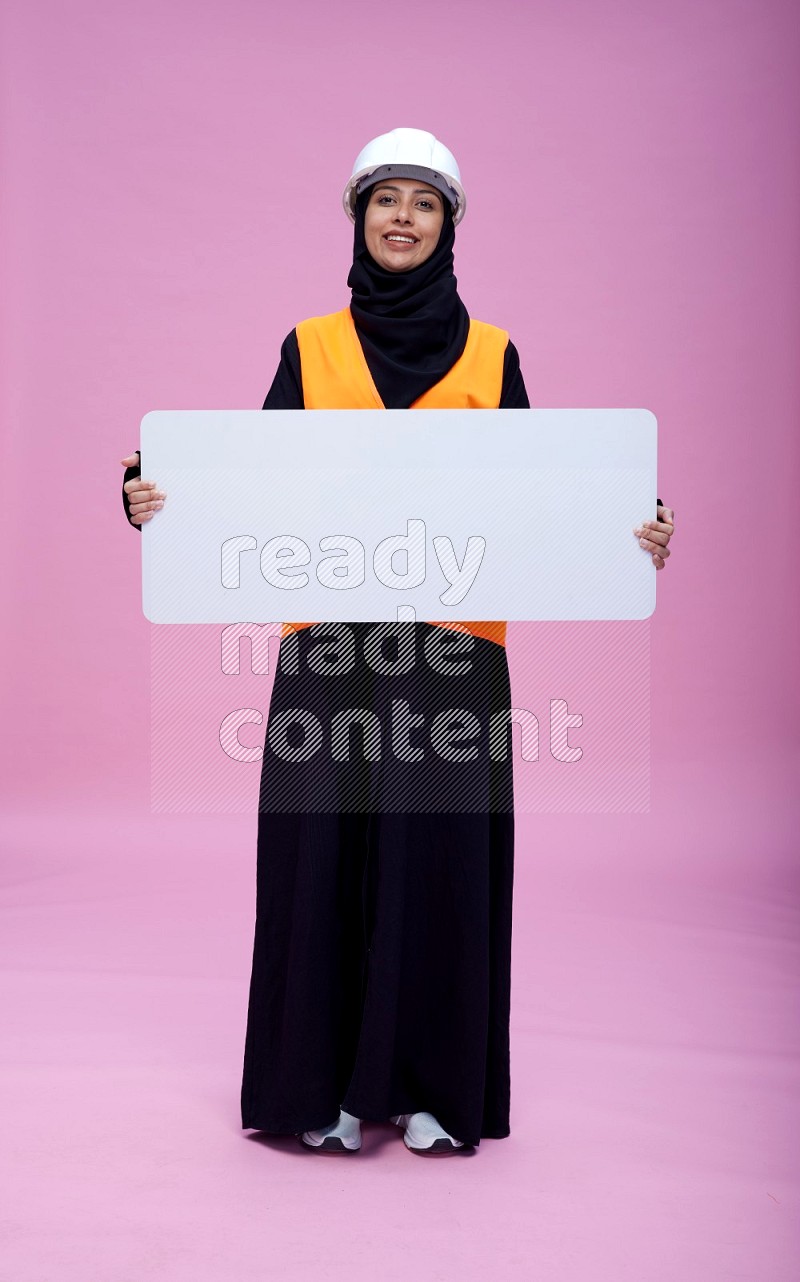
{"type": "Point", "coordinates": [406, 153]}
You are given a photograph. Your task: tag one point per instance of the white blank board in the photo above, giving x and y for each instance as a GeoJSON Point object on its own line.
{"type": "Point", "coordinates": [515, 514]}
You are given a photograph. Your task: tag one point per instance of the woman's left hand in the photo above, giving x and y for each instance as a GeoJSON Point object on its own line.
{"type": "Point", "coordinates": [655, 535]}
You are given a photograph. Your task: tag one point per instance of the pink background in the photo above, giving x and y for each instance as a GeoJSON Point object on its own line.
{"type": "Point", "coordinates": [171, 209]}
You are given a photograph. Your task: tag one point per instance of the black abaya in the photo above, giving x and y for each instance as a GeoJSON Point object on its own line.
{"type": "Point", "coordinates": [381, 964]}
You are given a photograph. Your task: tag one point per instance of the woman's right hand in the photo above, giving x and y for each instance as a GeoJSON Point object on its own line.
{"type": "Point", "coordinates": [144, 497]}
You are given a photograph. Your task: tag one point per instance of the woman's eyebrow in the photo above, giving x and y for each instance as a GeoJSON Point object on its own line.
{"type": "Point", "coordinates": [418, 191]}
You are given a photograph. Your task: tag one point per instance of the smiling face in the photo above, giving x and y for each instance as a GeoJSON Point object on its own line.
{"type": "Point", "coordinates": [402, 223]}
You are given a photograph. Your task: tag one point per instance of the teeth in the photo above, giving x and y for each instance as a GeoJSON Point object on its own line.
{"type": "Point", "coordinates": [404, 240]}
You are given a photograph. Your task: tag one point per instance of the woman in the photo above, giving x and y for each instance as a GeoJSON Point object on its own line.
{"type": "Point", "coordinates": [381, 968]}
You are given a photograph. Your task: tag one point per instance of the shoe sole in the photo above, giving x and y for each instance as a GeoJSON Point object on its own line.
{"type": "Point", "coordinates": [439, 1148]}
{"type": "Point", "coordinates": [331, 1144]}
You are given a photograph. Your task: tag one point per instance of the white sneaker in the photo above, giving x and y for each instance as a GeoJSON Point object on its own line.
{"type": "Point", "coordinates": [342, 1136]}
{"type": "Point", "coordinates": [423, 1134]}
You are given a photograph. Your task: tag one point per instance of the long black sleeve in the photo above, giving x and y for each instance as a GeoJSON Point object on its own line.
{"type": "Point", "coordinates": [286, 392]}
{"type": "Point", "coordinates": [513, 395]}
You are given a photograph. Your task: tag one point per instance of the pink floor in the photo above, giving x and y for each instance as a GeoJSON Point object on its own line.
{"type": "Point", "coordinates": [655, 1057]}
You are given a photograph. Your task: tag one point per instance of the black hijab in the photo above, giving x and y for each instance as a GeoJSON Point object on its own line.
{"type": "Point", "coordinates": [412, 325]}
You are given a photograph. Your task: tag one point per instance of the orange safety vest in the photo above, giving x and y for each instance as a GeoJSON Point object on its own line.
{"type": "Point", "coordinates": [336, 376]}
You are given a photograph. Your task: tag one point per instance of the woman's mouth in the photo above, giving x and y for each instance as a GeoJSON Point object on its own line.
{"type": "Point", "coordinates": [397, 238]}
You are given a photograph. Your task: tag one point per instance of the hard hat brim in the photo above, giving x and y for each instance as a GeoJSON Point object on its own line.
{"type": "Point", "coordinates": [437, 179]}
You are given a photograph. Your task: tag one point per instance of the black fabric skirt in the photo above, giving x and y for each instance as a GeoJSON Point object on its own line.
{"type": "Point", "coordinates": [382, 954]}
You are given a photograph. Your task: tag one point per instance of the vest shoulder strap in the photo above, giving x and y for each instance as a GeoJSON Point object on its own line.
{"type": "Point", "coordinates": [334, 370]}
